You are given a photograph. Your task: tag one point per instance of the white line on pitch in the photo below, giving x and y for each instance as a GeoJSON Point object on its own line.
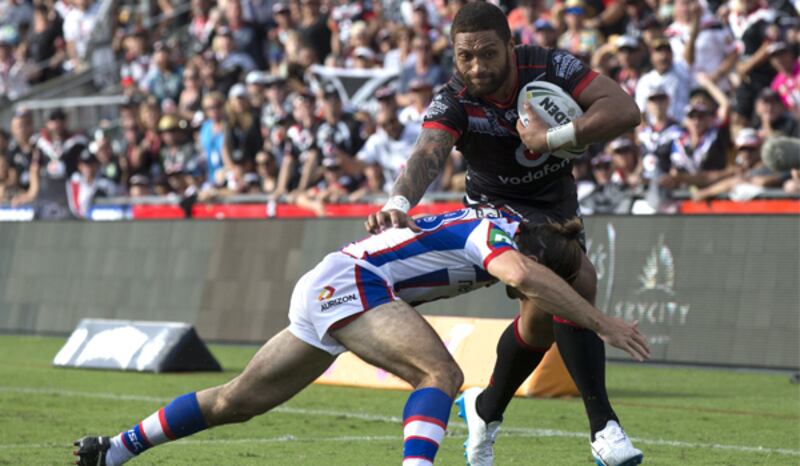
{"type": "Point", "coordinates": [507, 431]}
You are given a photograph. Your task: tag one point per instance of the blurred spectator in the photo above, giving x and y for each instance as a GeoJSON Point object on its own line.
{"type": "Point", "coordinates": [787, 80]}
{"type": "Point", "coordinates": [771, 118]}
{"type": "Point", "coordinates": [363, 58]}
{"type": "Point", "coordinates": [139, 186]}
{"type": "Point", "coordinates": [300, 145]}
{"type": "Point", "coordinates": [749, 176]}
{"type": "Point", "coordinates": [335, 186]}
{"type": "Point", "coordinates": [176, 153]}
{"type": "Point", "coordinates": [144, 158]}
{"type": "Point", "coordinates": [243, 134]}
{"type": "Point", "coordinates": [338, 135]}
{"type": "Point", "coordinates": [313, 29]}
{"type": "Point", "coordinates": [523, 21]}
{"type": "Point", "coordinates": [232, 62]}
{"type": "Point", "coordinates": [46, 48]}
{"type": "Point", "coordinates": [630, 57]}
{"type": "Point", "coordinates": [256, 82]}
{"type": "Point", "coordinates": [546, 33]}
{"type": "Point", "coordinates": [205, 18]}
{"type": "Point", "coordinates": [673, 77]}
{"type": "Point", "coordinates": [13, 71]}
{"type": "Point", "coordinates": [402, 53]}
{"type": "Point", "coordinates": [16, 12]}
{"type": "Point", "coordinates": [578, 39]}
{"type": "Point", "coordinates": [423, 68]}
{"type": "Point", "coordinates": [657, 131]}
{"type": "Point", "coordinates": [22, 145]}
{"type": "Point", "coordinates": [753, 26]}
{"type": "Point", "coordinates": [190, 102]}
{"type": "Point", "coordinates": [135, 62]}
{"type": "Point", "coordinates": [419, 97]}
{"type": "Point", "coordinates": [248, 37]}
{"type": "Point", "coordinates": [212, 138]}
{"type": "Point", "coordinates": [277, 105]}
{"type": "Point", "coordinates": [279, 33]}
{"type": "Point", "coordinates": [700, 151]}
{"type": "Point", "coordinates": [267, 171]}
{"type": "Point", "coordinates": [109, 167]}
{"type": "Point", "coordinates": [638, 17]}
{"type": "Point", "coordinates": [702, 42]}
{"type": "Point", "coordinates": [385, 153]}
{"type": "Point", "coordinates": [85, 185]}
{"type": "Point", "coordinates": [78, 26]}
{"type": "Point", "coordinates": [164, 78]}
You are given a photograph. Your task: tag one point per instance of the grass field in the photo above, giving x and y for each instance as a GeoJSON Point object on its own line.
{"type": "Point", "coordinates": [676, 416]}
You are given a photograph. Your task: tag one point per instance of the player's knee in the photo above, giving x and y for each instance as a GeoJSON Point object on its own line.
{"type": "Point", "coordinates": [447, 377]}
{"type": "Point", "coordinates": [231, 407]}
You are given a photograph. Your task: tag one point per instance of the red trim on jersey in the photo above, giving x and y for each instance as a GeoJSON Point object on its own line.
{"type": "Point", "coordinates": [493, 255]}
{"type": "Point", "coordinates": [441, 127]}
{"type": "Point", "coordinates": [583, 83]}
{"type": "Point", "coordinates": [418, 236]}
{"type": "Point", "coordinates": [525, 67]}
{"type": "Point", "coordinates": [430, 420]}
{"type": "Point", "coordinates": [164, 426]}
{"type": "Point", "coordinates": [360, 287]}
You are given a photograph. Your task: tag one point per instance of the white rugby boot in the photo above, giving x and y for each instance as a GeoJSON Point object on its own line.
{"type": "Point", "coordinates": [479, 446]}
{"type": "Point", "coordinates": [611, 447]}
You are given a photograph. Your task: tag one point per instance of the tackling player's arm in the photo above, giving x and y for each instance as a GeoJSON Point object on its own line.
{"type": "Point", "coordinates": [424, 165]}
{"type": "Point", "coordinates": [556, 297]}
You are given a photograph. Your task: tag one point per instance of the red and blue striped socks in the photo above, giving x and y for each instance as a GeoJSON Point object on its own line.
{"type": "Point", "coordinates": [425, 419]}
{"type": "Point", "coordinates": [180, 418]}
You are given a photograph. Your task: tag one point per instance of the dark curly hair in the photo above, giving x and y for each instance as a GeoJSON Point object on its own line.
{"type": "Point", "coordinates": [480, 16]}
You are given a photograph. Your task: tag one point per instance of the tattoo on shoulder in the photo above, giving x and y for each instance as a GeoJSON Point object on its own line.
{"type": "Point", "coordinates": [424, 165]}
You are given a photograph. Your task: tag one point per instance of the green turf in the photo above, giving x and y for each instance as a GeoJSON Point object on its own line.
{"type": "Point", "coordinates": [676, 416]}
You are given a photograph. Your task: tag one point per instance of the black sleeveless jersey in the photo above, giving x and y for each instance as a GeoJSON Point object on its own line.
{"type": "Point", "coordinates": [499, 165]}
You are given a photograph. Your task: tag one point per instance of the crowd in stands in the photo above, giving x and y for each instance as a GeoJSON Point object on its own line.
{"type": "Point", "coordinates": [220, 99]}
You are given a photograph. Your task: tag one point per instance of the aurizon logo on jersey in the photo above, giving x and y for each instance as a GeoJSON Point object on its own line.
{"type": "Point", "coordinates": [327, 292]}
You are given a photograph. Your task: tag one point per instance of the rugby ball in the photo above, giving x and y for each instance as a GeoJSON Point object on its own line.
{"type": "Point", "coordinates": [554, 106]}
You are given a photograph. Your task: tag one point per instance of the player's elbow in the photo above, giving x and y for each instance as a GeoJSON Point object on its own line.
{"type": "Point", "coordinates": [515, 277]}
{"type": "Point", "coordinates": [630, 114]}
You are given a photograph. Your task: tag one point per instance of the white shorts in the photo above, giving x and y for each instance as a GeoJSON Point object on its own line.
{"type": "Point", "coordinates": [331, 295]}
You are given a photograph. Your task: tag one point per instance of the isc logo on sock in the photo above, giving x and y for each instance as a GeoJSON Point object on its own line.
{"type": "Point", "coordinates": [135, 443]}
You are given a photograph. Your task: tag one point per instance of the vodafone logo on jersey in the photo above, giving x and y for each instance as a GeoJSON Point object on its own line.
{"type": "Point", "coordinates": [530, 159]}
{"type": "Point", "coordinates": [327, 292]}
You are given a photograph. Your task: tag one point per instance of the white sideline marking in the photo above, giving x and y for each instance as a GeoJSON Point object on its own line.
{"type": "Point", "coordinates": [507, 431]}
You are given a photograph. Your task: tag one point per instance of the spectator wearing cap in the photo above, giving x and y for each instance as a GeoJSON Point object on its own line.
{"type": "Point", "coordinates": [339, 134]}
{"type": "Point", "coordinates": [248, 37]}
{"type": "Point", "coordinates": [212, 138]}
{"type": "Point", "coordinates": [753, 26]}
{"type": "Point", "coordinates": [424, 68]}
{"type": "Point", "coordinates": [279, 33]}
{"type": "Point", "coordinates": [657, 131]}
{"type": "Point", "coordinates": [701, 41]}
{"type": "Point", "coordinates": [748, 177]}
{"type": "Point", "coordinates": [301, 140]}
{"type": "Point", "coordinates": [57, 148]}
{"type": "Point", "coordinates": [625, 160]}
{"type": "Point", "coordinates": [673, 77]}
{"type": "Point", "coordinates": [139, 186]}
{"type": "Point", "coordinates": [578, 39]}
{"type": "Point", "coordinates": [387, 99]}
{"type": "Point", "coordinates": [420, 96]}
{"type": "Point", "coordinates": [699, 152]}
{"type": "Point", "coordinates": [13, 72]}
{"type": "Point", "coordinates": [243, 133]}
{"type": "Point", "coordinates": [787, 80]}
{"type": "Point", "coordinates": [79, 24]}
{"type": "Point", "coordinates": [631, 60]}
{"type": "Point", "coordinates": [277, 106]}
{"type": "Point", "coordinates": [385, 153]}
{"type": "Point", "coordinates": [85, 186]}
{"type": "Point", "coordinates": [771, 118]}
{"type": "Point", "coordinates": [546, 34]}
{"type": "Point", "coordinates": [177, 151]}
{"type": "Point", "coordinates": [363, 58]}
{"type": "Point", "coordinates": [164, 80]}
{"type": "Point", "coordinates": [256, 82]}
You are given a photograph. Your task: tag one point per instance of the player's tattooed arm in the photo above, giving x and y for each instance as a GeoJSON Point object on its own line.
{"type": "Point", "coordinates": [424, 165]}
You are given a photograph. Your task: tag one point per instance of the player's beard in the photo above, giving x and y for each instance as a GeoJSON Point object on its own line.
{"type": "Point", "coordinates": [494, 79]}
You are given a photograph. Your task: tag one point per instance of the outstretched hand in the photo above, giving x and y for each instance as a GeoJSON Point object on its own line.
{"type": "Point", "coordinates": [385, 219]}
{"type": "Point", "coordinates": [625, 336]}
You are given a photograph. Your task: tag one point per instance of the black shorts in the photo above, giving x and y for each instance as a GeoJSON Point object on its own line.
{"type": "Point", "coordinates": [537, 214]}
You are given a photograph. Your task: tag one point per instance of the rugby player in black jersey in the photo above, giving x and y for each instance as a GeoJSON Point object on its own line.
{"type": "Point", "coordinates": [511, 165]}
